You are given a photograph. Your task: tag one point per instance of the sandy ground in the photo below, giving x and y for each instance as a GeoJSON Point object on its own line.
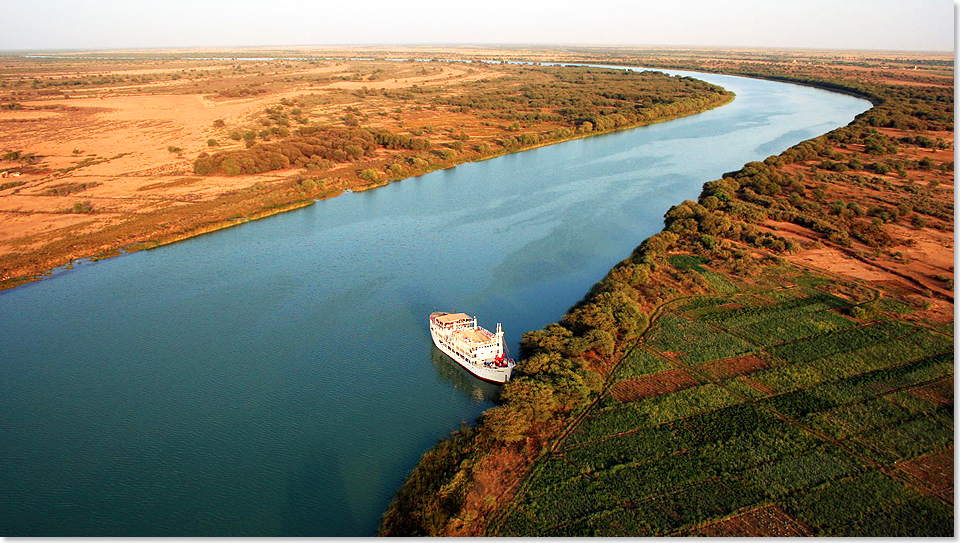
{"type": "Point", "coordinates": [928, 253]}
{"type": "Point", "coordinates": [447, 76]}
{"type": "Point", "coordinates": [120, 142]}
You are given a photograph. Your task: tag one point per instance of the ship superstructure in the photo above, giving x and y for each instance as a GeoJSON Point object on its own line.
{"type": "Point", "coordinates": [475, 348]}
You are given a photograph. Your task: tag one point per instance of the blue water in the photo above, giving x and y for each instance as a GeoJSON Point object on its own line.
{"type": "Point", "coordinates": [277, 378]}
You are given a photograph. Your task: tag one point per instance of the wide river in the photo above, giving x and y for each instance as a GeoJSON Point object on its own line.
{"type": "Point", "coordinates": [277, 378]}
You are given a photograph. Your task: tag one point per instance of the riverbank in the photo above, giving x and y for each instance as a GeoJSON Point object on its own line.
{"type": "Point", "coordinates": [161, 210]}
{"type": "Point", "coordinates": [822, 203]}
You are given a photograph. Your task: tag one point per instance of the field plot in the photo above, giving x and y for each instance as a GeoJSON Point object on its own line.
{"type": "Point", "coordinates": [767, 521]}
{"type": "Point", "coordinates": [767, 411]}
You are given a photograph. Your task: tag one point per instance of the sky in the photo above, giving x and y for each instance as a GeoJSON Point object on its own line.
{"type": "Point", "coordinates": [911, 25]}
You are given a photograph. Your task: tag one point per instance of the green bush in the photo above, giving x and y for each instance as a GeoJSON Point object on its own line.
{"type": "Point", "coordinates": [369, 174]}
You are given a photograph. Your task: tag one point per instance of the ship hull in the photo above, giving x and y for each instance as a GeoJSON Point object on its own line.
{"type": "Point", "coordinates": [491, 375]}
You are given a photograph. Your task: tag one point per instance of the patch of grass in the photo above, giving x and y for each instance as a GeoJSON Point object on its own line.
{"type": "Point", "coordinates": [688, 262]}
{"type": "Point", "coordinates": [638, 363]}
{"type": "Point", "coordinates": [694, 341]}
{"type": "Point", "coordinates": [833, 507]}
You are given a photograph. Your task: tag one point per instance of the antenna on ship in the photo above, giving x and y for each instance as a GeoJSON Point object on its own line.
{"type": "Point", "coordinates": [503, 343]}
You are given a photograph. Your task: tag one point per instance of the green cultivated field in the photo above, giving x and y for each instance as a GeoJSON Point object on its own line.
{"type": "Point", "coordinates": [765, 411]}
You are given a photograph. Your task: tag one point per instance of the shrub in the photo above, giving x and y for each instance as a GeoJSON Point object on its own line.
{"type": "Point", "coordinates": [312, 145]}
{"type": "Point", "coordinates": [369, 174]}
{"type": "Point", "coordinates": [867, 311]}
{"type": "Point", "coordinates": [82, 207]}
{"type": "Point", "coordinates": [308, 185]}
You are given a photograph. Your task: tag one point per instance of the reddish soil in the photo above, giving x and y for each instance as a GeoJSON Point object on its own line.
{"type": "Point", "coordinates": [768, 521]}
{"type": "Point", "coordinates": [732, 367]}
{"type": "Point", "coordinates": [599, 364]}
{"type": "Point", "coordinates": [920, 258]}
{"type": "Point", "coordinates": [933, 472]}
{"type": "Point", "coordinates": [946, 495]}
{"type": "Point", "coordinates": [496, 479]}
{"type": "Point", "coordinates": [649, 386]}
{"type": "Point", "coordinates": [845, 292]}
{"type": "Point", "coordinates": [939, 392]}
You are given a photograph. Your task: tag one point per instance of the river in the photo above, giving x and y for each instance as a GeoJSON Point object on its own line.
{"type": "Point", "coordinates": [277, 378]}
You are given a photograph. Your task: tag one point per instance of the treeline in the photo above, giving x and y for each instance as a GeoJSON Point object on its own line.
{"type": "Point", "coordinates": [251, 89]}
{"type": "Point", "coordinates": [581, 100]}
{"type": "Point", "coordinates": [605, 98]}
{"type": "Point", "coordinates": [389, 140]}
{"type": "Point", "coordinates": [311, 146]}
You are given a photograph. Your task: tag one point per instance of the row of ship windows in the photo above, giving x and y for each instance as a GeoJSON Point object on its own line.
{"type": "Point", "coordinates": [461, 353]}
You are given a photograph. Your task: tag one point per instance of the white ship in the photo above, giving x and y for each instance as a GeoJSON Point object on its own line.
{"type": "Point", "coordinates": [477, 349]}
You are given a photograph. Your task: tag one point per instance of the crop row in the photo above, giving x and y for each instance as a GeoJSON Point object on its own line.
{"type": "Point", "coordinates": [869, 498]}
{"type": "Point", "coordinates": [841, 341]}
{"type": "Point", "coordinates": [884, 380]}
{"type": "Point", "coordinates": [881, 355]}
{"type": "Point", "coordinates": [909, 439]}
{"type": "Point", "coordinates": [654, 411]}
{"type": "Point", "coordinates": [802, 471]}
{"type": "Point", "coordinates": [638, 363]}
{"type": "Point", "coordinates": [779, 327]}
{"type": "Point", "coordinates": [785, 309]}
{"type": "Point", "coordinates": [697, 341]}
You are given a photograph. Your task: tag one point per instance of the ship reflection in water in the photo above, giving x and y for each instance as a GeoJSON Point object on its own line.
{"type": "Point", "coordinates": [476, 389]}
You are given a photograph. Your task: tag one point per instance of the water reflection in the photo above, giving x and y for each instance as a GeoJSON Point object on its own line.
{"type": "Point", "coordinates": [477, 390]}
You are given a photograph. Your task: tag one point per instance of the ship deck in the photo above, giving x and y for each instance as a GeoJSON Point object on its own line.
{"type": "Point", "coordinates": [453, 317]}
{"type": "Point", "coordinates": [473, 336]}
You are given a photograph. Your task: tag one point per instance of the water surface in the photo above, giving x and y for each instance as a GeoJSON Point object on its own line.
{"type": "Point", "coordinates": [277, 378]}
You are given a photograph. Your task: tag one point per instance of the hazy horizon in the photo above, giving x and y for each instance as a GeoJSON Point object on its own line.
{"type": "Point", "coordinates": [878, 25]}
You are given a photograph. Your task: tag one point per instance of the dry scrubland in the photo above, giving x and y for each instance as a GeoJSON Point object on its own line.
{"type": "Point", "coordinates": [777, 361]}
{"type": "Point", "coordinates": [101, 154]}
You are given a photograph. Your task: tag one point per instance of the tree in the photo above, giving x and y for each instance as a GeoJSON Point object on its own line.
{"type": "Point", "coordinates": [506, 423]}
{"type": "Point", "coordinates": [369, 174]}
